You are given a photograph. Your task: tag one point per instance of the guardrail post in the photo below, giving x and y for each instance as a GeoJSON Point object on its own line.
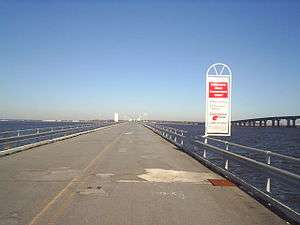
{"type": "Point", "coordinates": [204, 153]}
{"type": "Point", "coordinates": [268, 158]}
{"type": "Point", "coordinates": [226, 164]}
{"type": "Point", "coordinates": [175, 139]}
{"type": "Point", "coordinates": [18, 133]}
{"type": "Point", "coordinates": [268, 187]}
{"type": "Point", "coordinates": [226, 146]}
{"type": "Point", "coordinates": [205, 140]}
{"type": "Point", "coordinates": [181, 142]}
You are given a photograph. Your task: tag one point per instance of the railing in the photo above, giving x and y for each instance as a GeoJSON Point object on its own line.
{"type": "Point", "coordinates": [19, 134]}
{"type": "Point", "coordinates": [33, 131]}
{"type": "Point", "coordinates": [176, 136]}
{"type": "Point", "coordinates": [17, 138]}
{"type": "Point", "coordinates": [267, 167]}
{"type": "Point", "coordinates": [267, 154]}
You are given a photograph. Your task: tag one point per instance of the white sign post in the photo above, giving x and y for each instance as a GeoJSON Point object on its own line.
{"type": "Point", "coordinates": [218, 100]}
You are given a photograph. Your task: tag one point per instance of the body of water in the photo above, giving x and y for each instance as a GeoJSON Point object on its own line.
{"type": "Point", "coordinates": [22, 125]}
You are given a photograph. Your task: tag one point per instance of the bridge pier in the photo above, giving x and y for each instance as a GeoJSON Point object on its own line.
{"type": "Point", "coordinates": [291, 122]}
{"type": "Point", "coordinates": [263, 122]}
{"type": "Point", "coordinates": [278, 122]}
{"type": "Point", "coordinates": [288, 123]}
{"type": "Point", "coordinates": [273, 123]}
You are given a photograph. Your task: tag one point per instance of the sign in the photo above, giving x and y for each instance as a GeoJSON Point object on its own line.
{"type": "Point", "coordinates": [116, 119]}
{"type": "Point", "coordinates": [218, 100]}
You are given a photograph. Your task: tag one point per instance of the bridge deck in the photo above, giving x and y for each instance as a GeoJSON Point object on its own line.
{"type": "Point", "coordinates": [121, 175]}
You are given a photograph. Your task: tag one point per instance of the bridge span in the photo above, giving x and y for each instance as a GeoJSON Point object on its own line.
{"type": "Point", "coordinates": [123, 175]}
{"type": "Point", "coordinates": [275, 121]}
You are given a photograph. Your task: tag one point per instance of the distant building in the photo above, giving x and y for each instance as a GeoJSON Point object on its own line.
{"type": "Point", "coordinates": [116, 119]}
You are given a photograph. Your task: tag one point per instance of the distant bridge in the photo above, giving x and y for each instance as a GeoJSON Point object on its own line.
{"type": "Point", "coordinates": [275, 121]}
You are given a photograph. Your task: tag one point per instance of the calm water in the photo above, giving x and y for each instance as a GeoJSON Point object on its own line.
{"type": "Point", "coordinates": [281, 140]}
{"type": "Point", "coordinates": [20, 125]}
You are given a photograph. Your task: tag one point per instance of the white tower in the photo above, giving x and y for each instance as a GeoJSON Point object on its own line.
{"type": "Point", "coordinates": [116, 117]}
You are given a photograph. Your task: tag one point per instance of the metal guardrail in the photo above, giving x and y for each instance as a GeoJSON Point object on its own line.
{"type": "Point", "coordinates": [174, 135]}
{"type": "Point", "coordinates": [40, 134]}
{"type": "Point", "coordinates": [13, 139]}
{"type": "Point", "coordinates": [267, 154]}
{"type": "Point", "coordinates": [32, 131]}
{"type": "Point", "coordinates": [263, 166]}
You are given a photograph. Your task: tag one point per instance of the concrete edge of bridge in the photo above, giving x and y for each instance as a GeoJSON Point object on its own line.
{"type": "Point", "coordinates": [46, 142]}
{"type": "Point", "coordinates": [272, 204]}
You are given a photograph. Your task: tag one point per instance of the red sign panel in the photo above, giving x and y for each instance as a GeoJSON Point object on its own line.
{"type": "Point", "coordinates": [218, 90]}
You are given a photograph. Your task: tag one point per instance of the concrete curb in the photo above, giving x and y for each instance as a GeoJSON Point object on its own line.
{"type": "Point", "coordinates": [40, 143]}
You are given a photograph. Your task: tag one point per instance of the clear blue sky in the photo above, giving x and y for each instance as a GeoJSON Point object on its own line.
{"type": "Point", "coordinates": [88, 59]}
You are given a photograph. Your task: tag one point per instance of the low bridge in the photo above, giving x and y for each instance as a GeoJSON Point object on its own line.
{"type": "Point", "coordinates": [275, 121]}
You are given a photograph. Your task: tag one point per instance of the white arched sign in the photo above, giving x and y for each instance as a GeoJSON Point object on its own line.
{"type": "Point", "coordinates": [218, 100]}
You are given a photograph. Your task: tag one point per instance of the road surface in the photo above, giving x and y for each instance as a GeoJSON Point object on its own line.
{"type": "Point", "coordinates": [123, 175]}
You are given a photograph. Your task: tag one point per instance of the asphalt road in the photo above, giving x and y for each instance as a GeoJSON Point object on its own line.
{"type": "Point", "coordinates": [124, 175]}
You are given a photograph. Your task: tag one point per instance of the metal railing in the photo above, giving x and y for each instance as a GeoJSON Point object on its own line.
{"type": "Point", "coordinates": [29, 136]}
{"type": "Point", "coordinates": [265, 167]}
{"type": "Point", "coordinates": [266, 153]}
{"type": "Point", "coordinates": [173, 135]}
{"type": "Point", "coordinates": [34, 131]}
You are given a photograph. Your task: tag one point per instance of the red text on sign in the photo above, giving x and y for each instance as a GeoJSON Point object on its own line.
{"type": "Point", "coordinates": [218, 90]}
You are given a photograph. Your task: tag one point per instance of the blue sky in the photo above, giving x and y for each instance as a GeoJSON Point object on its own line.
{"type": "Point", "coordinates": [86, 60]}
